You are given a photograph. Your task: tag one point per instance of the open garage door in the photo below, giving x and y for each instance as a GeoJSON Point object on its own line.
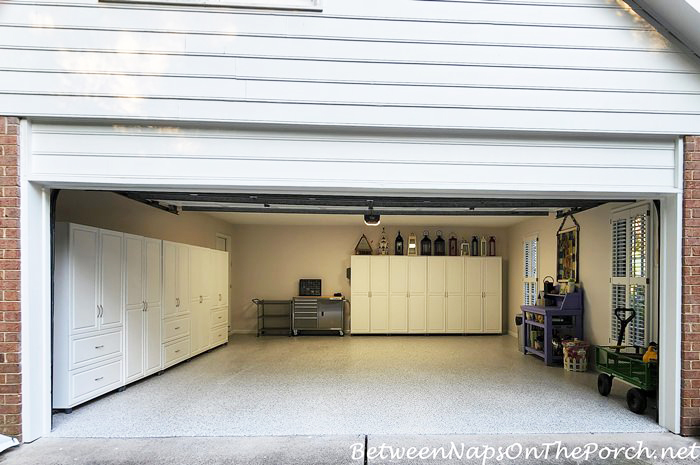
{"type": "Point", "coordinates": [268, 186]}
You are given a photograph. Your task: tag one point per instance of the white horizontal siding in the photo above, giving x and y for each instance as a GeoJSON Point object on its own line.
{"type": "Point", "coordinates": [172, 156]}
{"type": "Point", "coordinates": [586, 66]}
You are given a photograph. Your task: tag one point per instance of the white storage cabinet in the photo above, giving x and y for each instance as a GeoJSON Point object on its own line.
{"type": "Point", "coordinates": [88, 314]}
{"type": "Point", "coordinates": [127, 306]}
{"type": "Point", "coordinates": [426, 295]}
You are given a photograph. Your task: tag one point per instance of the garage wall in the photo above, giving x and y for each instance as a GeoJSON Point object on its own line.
{"type": "Point", "coordinates": [269, 260]}
{"type": "Point", "coordinates": [554, 65]}
{"type": "Point", "coordinates": [594, 267]}
{"type": "Point", "coordinates": [112, 211]}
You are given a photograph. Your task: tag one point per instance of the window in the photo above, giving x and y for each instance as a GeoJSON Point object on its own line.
{"type": "Point", "coordinates": [314, 5]}
{"type": "Point", "coordinates": [530, 284]}
{"type": "Point", "coordinates": [630, 281]}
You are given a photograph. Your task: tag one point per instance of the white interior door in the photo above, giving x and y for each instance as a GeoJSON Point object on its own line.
{"type": "Point", "coordinates": [84, 279]}
{"type": "Point", "coordinates": [398, 294]}
{"type": "Point", "coordinates": [135, 308]}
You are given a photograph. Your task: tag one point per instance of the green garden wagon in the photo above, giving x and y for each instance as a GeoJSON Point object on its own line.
{"type": "Point", "coordinates": [626, 364]}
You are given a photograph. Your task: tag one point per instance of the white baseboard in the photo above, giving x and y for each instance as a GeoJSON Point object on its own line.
{"type": "Point", "coordinates": [243, 331]}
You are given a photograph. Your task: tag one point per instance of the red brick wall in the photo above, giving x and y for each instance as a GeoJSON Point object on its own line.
{"type": "Point", "coordinates": [690, 371]}
{"type": "Point", "coordinates": [10, 377]}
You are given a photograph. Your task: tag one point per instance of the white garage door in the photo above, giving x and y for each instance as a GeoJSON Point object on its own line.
{"type": "Point", "coordinates": [210, 158]}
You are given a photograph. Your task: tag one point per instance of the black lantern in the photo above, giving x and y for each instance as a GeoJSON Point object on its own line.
{"type": "Point", "coordinates": [426, 244]}
{"type": "Point", "coordinates": [453, 245]}
{"type": "Point", "coordinates": [475, 246]}
{"type": "Point", "coordinates": [439, 245]}
{"type": "Point", "coordinates": [398, 245]}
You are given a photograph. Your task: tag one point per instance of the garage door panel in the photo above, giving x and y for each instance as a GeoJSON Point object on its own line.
{"type": "Point", "coordinates": [217, 158]}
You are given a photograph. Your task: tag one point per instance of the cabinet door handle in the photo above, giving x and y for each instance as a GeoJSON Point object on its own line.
{"type": "Point", "coordinates": [177, 351]}
{"type": "Point", "coordinates": [201, 299]}
{"type": "Point", "coordinates": [101, 377]}
{"type": "Point", "coordinates": [143, 305]}
{"type": "Point", "coordinates": [219, 297]}
{"type": "Point", "coordinates": [176, 328]}
{"type": "Point", "coordinates": [99, 347]}
{"type": "Point", "coordinates": [177, 302]}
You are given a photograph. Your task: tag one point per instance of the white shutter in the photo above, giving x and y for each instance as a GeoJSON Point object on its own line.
{"type": "Point", "coordinates": [630, 276]}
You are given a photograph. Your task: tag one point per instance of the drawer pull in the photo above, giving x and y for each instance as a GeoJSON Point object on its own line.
{"type": "Point", "coordinates": [100, 378]}
{"type": "Point", "coordinates": [220, 317]}
{"type": "Point", "coordinates": [99, 347]}
{"type": "Point", "coordinates": [177, 351]}
{"type": "Point", "coordinates": [176, 328]}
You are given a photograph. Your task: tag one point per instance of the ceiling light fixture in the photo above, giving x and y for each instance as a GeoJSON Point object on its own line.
{"type": "Point", "coordinates": [371, 218]}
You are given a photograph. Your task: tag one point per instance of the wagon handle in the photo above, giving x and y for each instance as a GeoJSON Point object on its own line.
{"type": "Point", "coordinates": [620, 315]}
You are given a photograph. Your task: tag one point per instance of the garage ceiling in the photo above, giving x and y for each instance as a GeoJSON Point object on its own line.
{"type": "Point", "coordinates": [256, 206]}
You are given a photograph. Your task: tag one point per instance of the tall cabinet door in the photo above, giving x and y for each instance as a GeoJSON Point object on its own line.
{"type": "Point", "coordinates": [199, 322]}
{"type": "Point", "coordinates": [84, 279]}
{"type": "Point", "coordinates": [379, 294]}
{"type": "Point", "coordinates": [359, 294]}
{"type": "Point", "coordinates": [454, 288]}
{"type": "Point", "coordinates": [435, 310]}
{"type": "Point", "coordinates": [153, 282]}
{"type": "Point", "coordinates": [474, 322]}
{"type": "Point", "coordinates": [183, 279]}
{"type": "Point", "coordinates": [135, 308]}
{"type": "Point", "coordinates": [111, 279]}
{"type": "Point", "coordinates": [398, 294]}
{"type": "Point", "coordinates": [417, 267]}
{"type": "Point", "coordinates": [170, 281]}
{"type": "Point", "coordinates": [493, 314]}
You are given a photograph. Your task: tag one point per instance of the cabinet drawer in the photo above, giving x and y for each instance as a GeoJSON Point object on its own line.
{"type": "Point", "coordinates": [218, 335]}
{"type": "Point", "coordinates": [176, 352]}
{"type": "Point", "coordinates": [305, 323]}
{"type": "Point", "coordinates": [91, 349]}
{"type": "Point", "coordinates": [174, 329]}
{"type": "Point", "coordinates": [95, 381]}
{"type": "Point", "coordinates": [219, 317]}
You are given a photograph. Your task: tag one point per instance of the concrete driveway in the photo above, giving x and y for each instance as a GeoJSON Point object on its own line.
{"type": "Point", "coordinates": [360, 449]}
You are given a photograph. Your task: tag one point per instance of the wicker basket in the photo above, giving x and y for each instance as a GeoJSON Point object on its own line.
{"type": "Point", "coordinates": [572, 364]}
{"type": "Point", "coordinates": [576, 355]}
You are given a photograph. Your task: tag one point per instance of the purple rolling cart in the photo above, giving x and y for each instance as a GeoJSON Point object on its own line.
{"type": "Point", "coordinates": [564, 315]}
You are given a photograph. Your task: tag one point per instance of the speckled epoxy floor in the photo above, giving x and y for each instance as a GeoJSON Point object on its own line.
{"type": "Point", "coordinates": [318, 385]}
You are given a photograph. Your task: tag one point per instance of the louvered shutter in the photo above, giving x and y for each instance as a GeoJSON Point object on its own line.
{"type": "Point", "coordinates": [630, 277]}
{"type": "Point", "coordinates": [530, 271]}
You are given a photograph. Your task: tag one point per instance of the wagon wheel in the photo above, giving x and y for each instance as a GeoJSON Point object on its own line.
{"type": "Point", "coordinates": [636, 400]}
{"type": "Point", "coordinates": [604, 384]}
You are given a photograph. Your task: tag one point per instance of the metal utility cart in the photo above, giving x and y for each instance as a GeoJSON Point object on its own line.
{"type": "Point", "coordinates": [274, 317]}
{"type": "Point", "coordinates": [626, 363]}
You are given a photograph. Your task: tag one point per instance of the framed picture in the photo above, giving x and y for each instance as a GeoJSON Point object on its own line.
{"type": "Point", "coordinates": [567, 253]}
